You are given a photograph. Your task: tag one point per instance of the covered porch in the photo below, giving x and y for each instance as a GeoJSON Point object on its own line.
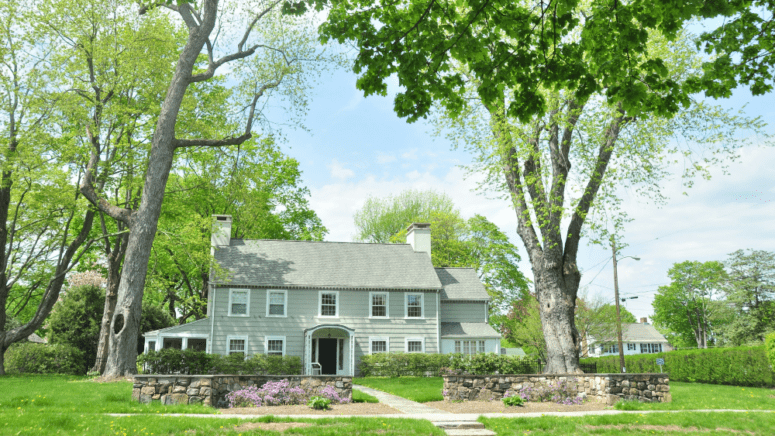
{"type": "Point", "coordinates": [329, 349]}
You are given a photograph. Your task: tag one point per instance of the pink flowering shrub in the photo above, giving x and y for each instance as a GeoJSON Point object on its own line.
{"type": "Point", "coordinates": [279, 393]}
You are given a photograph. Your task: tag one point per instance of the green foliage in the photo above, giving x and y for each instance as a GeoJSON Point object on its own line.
{"type": "Point", "coordinates": [361, 397]}
{"type": "Point", "coordinates": [740, 366]}
{"type": "Point", "coordinates": [769, 346]}
{"type": "Point", "coordinates": [154, 317]}
{"type": "Point", "coordinates": [319, 403]}
{"type": "Point", "coordinates": [419, 365]}
{"type": "Point", "coordinates": [522, 327]}
{"type": "Point", "coordinates": [597, 319]}
{"type": "Point", "coordinates": [689, 306]}
{"type": "Point", "coordinates": [172, 361]}
{"type": "Point", "coordinates": [75, 321]}
{"type": "Point", "coordinates": [31, 358]}
{"type": "Point", "coordinates": [513, 401]}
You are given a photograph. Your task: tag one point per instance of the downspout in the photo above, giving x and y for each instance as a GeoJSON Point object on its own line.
{"type": "Point", "coordinates": [212, 317]}
{"type": "Point", "coordinates": [438, 322]}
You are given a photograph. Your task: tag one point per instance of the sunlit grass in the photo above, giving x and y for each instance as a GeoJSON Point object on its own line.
{"type": "Point", "coordinates": [360, 397]}
{"type": "Point", "coordinates": [698, 396]}
{"type": "Point", "coordinates": [420, 389]}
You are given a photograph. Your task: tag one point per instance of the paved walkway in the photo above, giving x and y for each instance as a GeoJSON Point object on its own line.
{"type": "Point", "coordinates": [401, 404]}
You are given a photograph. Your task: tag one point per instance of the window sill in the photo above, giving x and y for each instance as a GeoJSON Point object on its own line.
{"type": "Point", "coordinates": [379, 317]}
{"type": "Point", "coordinates": [277, 316]}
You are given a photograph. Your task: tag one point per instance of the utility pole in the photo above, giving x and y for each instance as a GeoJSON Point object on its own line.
{"type": "Point", "coordinates": [618, 314]}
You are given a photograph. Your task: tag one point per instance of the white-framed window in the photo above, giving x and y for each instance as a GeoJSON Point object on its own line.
{"type": "Point", "coordinates": [237, 345]}
{"type": "Point", "coordinates": [276, 303]}
{"type": "Point", "coordinates": [469, 347]}
{"type": "Point", "coordinates": [378, 345]}
{"type": "Point", "coordinates": [413, 303]}
{"type": "Point", "coordinates": [379, 305]}
{"type": "Point", "coordinates": [239, 302]}
{"type": "Point", "coordinates": [275, 345]}
{"type": "Point", "coordinates": [650, 348]}
{"type": "Point", "coordinates": [415, 345]}
{"type": "Point", "coordinates": [610, 348]}
{"type": "Point", "coordinates": [329, 303]}
{"type": "Point", "coordinates": [630, 347]}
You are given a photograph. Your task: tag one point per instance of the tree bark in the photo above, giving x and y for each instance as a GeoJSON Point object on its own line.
{"type": "Point", "coordinates": [115, 258]}
{"type": "Point", "coordinates": [122, 354]}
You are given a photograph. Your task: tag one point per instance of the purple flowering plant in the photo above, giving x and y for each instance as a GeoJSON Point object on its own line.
{"type": "Point", "coordinates": [279, 393]}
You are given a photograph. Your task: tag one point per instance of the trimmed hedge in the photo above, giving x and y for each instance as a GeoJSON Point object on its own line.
{"type": "Point", "coordinates": [419, 365]}
{"type": "Point", "coordinates": [33, 358]}
{"type": "Point", "coordinates": [738, 366]}
{"type": "Point", "coordinates": [769, 346]}
{"type": "Point", "coordinates": [191, 362]}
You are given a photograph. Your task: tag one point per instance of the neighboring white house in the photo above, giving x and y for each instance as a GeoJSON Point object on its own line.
{"type": "Point", "coordinates": [332, 302]}
{"type": "Point", "coordinates": [637, 338]}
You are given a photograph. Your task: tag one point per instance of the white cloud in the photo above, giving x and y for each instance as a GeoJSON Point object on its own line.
{"type": "Point", "coordinates": [383, 158]}
{"type": "Point", "coordinates": [410, 155]}
{"type": "Point", "coordinates": [338, 171]}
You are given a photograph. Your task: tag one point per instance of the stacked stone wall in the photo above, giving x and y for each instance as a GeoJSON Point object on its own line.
{"type": "Point", "coordinates": [211, 390]}
{"type": "Point", "coordinates": [608, 388]}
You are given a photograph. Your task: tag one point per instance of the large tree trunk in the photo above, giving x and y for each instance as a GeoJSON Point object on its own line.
{"type": "Point", "coordinates": [122, 354]}
{"type": "Point", "coordinates": [111, 297]}
{"type": "Point", "coordinates": [2, 353]}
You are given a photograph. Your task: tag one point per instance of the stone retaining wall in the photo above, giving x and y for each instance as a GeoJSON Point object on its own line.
{"type": "Point", "coordinates": [608, 388]}
{"type": "Point", "coordinates": [211, 390]}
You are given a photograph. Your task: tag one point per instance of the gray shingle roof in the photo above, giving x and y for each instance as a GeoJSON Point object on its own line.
{"type": "Point", "coordinates": [461, 284]}
{"type": "Point", "coordinates": [344, 265]}
{"type": "Point", "coordinates": [641, 333]}
{"type": "Point", "coordinates": [470, 329]}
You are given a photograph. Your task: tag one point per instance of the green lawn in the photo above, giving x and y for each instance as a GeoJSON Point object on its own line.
{"type": "Point", "coordinates": [688, 396]}
{"type": "Point", "coordinates": [360, 397]}
{"type": "Point", "coordinates": [674, 423]}
{"type": "Point", "coordinates": [420, 389]}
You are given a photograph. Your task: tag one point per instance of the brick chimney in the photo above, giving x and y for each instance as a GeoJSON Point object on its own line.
{"type": "Point", "coordinates": [418, 235]}
{"type": "Point", "coordinates": [644, 320]}
{"type": "Point", "coordinates": [221, 234]}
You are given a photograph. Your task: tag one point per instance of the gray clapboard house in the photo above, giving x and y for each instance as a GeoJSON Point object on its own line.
{"type": "Point", "coordinates": [332, 302]}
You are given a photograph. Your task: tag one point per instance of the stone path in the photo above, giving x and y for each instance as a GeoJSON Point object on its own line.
{"type": "Point", "coordinates": [440, 418]}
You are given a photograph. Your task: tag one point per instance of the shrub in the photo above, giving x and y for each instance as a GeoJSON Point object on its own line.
{"type": "Point", "coordinates": [319, 403]}
{"type": "Point", "coordinates": [419, 365]}
{"type": "Point", "coordinates": [75, 321]}
{"type": "Point", "coordinates": [172, 361]}
{"type": "Point", "coordinates": [737, 366]}
{"type": "Point", "coordinates": [512, 400]}
{"type": "Point", "coordinates": [30, 358]}
{"type": "Point", "coordinates": [769, 346]}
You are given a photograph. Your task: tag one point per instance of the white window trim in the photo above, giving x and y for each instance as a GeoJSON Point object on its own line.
{"type": "Point", "coordinates": [420, 340]}
{"type": "Point", "coordinates": [387, 305]}
{"type": "Point", "coordinates": [247, 309]}
{"type": "Point", "coordinates": [228, 344]}
{"type": "Point", "coordinates": [285, 303]}
{"type": "Point", "coordinates": [320, 304]}
{"type": "Point", "coordinates": [273, 338]}
{"type": "Point", "coordinates": [406, 305]}
{"type": "Point", "coordinates": [373, 339]}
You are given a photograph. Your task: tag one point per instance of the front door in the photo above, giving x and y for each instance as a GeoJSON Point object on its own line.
{"type": "Point", "coordinates": [327, 356]}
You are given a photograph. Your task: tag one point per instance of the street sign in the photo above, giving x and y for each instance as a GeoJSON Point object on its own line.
{"type": "Point", "coordinates": [660, 362]}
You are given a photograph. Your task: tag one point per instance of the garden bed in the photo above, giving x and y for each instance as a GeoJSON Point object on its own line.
{"type": "Point", "coordinates": [499, 407]}
{"type": "Point", "coordinates": [302, 409]}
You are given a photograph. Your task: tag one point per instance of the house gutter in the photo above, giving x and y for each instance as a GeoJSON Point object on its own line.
{"type": "Point", "coordinates": [212, 317]}
{"type": "Point", "coordinates": [438, 322]}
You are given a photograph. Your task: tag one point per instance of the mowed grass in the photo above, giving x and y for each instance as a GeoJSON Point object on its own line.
{"type": "Point", "coordinates": [698, 396]}
{"type": "Point", "coordinates": [61, 393]}
{"type": "Point", "coordinates": [673, 423]}
{"type": "Point", "coordinates": [361, 397]}
{"type": "Point", "coordinates": [36, 423]}
{"type": "Point", "coordinates": [420, 389]}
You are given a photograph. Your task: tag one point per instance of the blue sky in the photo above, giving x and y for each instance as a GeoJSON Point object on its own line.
{"type": "Point", "coordinates": [357, 147]}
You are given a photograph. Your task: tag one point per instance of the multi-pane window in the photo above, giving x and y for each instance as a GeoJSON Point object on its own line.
{"type": "Point", "coordinates": [609, 348]}
{"type": "Point", "coordinates": [414, 346]}
{"type": "Point", "coordinates": [379, 305]}
{"type": "Point", "coordinates": [237, 346]}
{"type": "Point", "coordinates": [650, 348]}
{"type": "Point", "coordinates": [630, 347]}
{"type": "Point", "coordinates": [328, 304]}
{"type": "Point", "coordinates": [274, 347]}
{"type": "Point", "coordinates": [276, 303]}
{"type": "Point", "coordinates": [379, 345]}
{"type": "Point", "coordinates": [414, 305]}
{"type": "Point", "coordinates": [238, 302]}
{"type": "Point", "coordinates": [469, 347]}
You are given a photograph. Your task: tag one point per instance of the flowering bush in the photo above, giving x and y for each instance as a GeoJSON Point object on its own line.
{"type": "Point", "coordinates": [280, 393]}
{"type": "Point", "coordinates": [562, 392]}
